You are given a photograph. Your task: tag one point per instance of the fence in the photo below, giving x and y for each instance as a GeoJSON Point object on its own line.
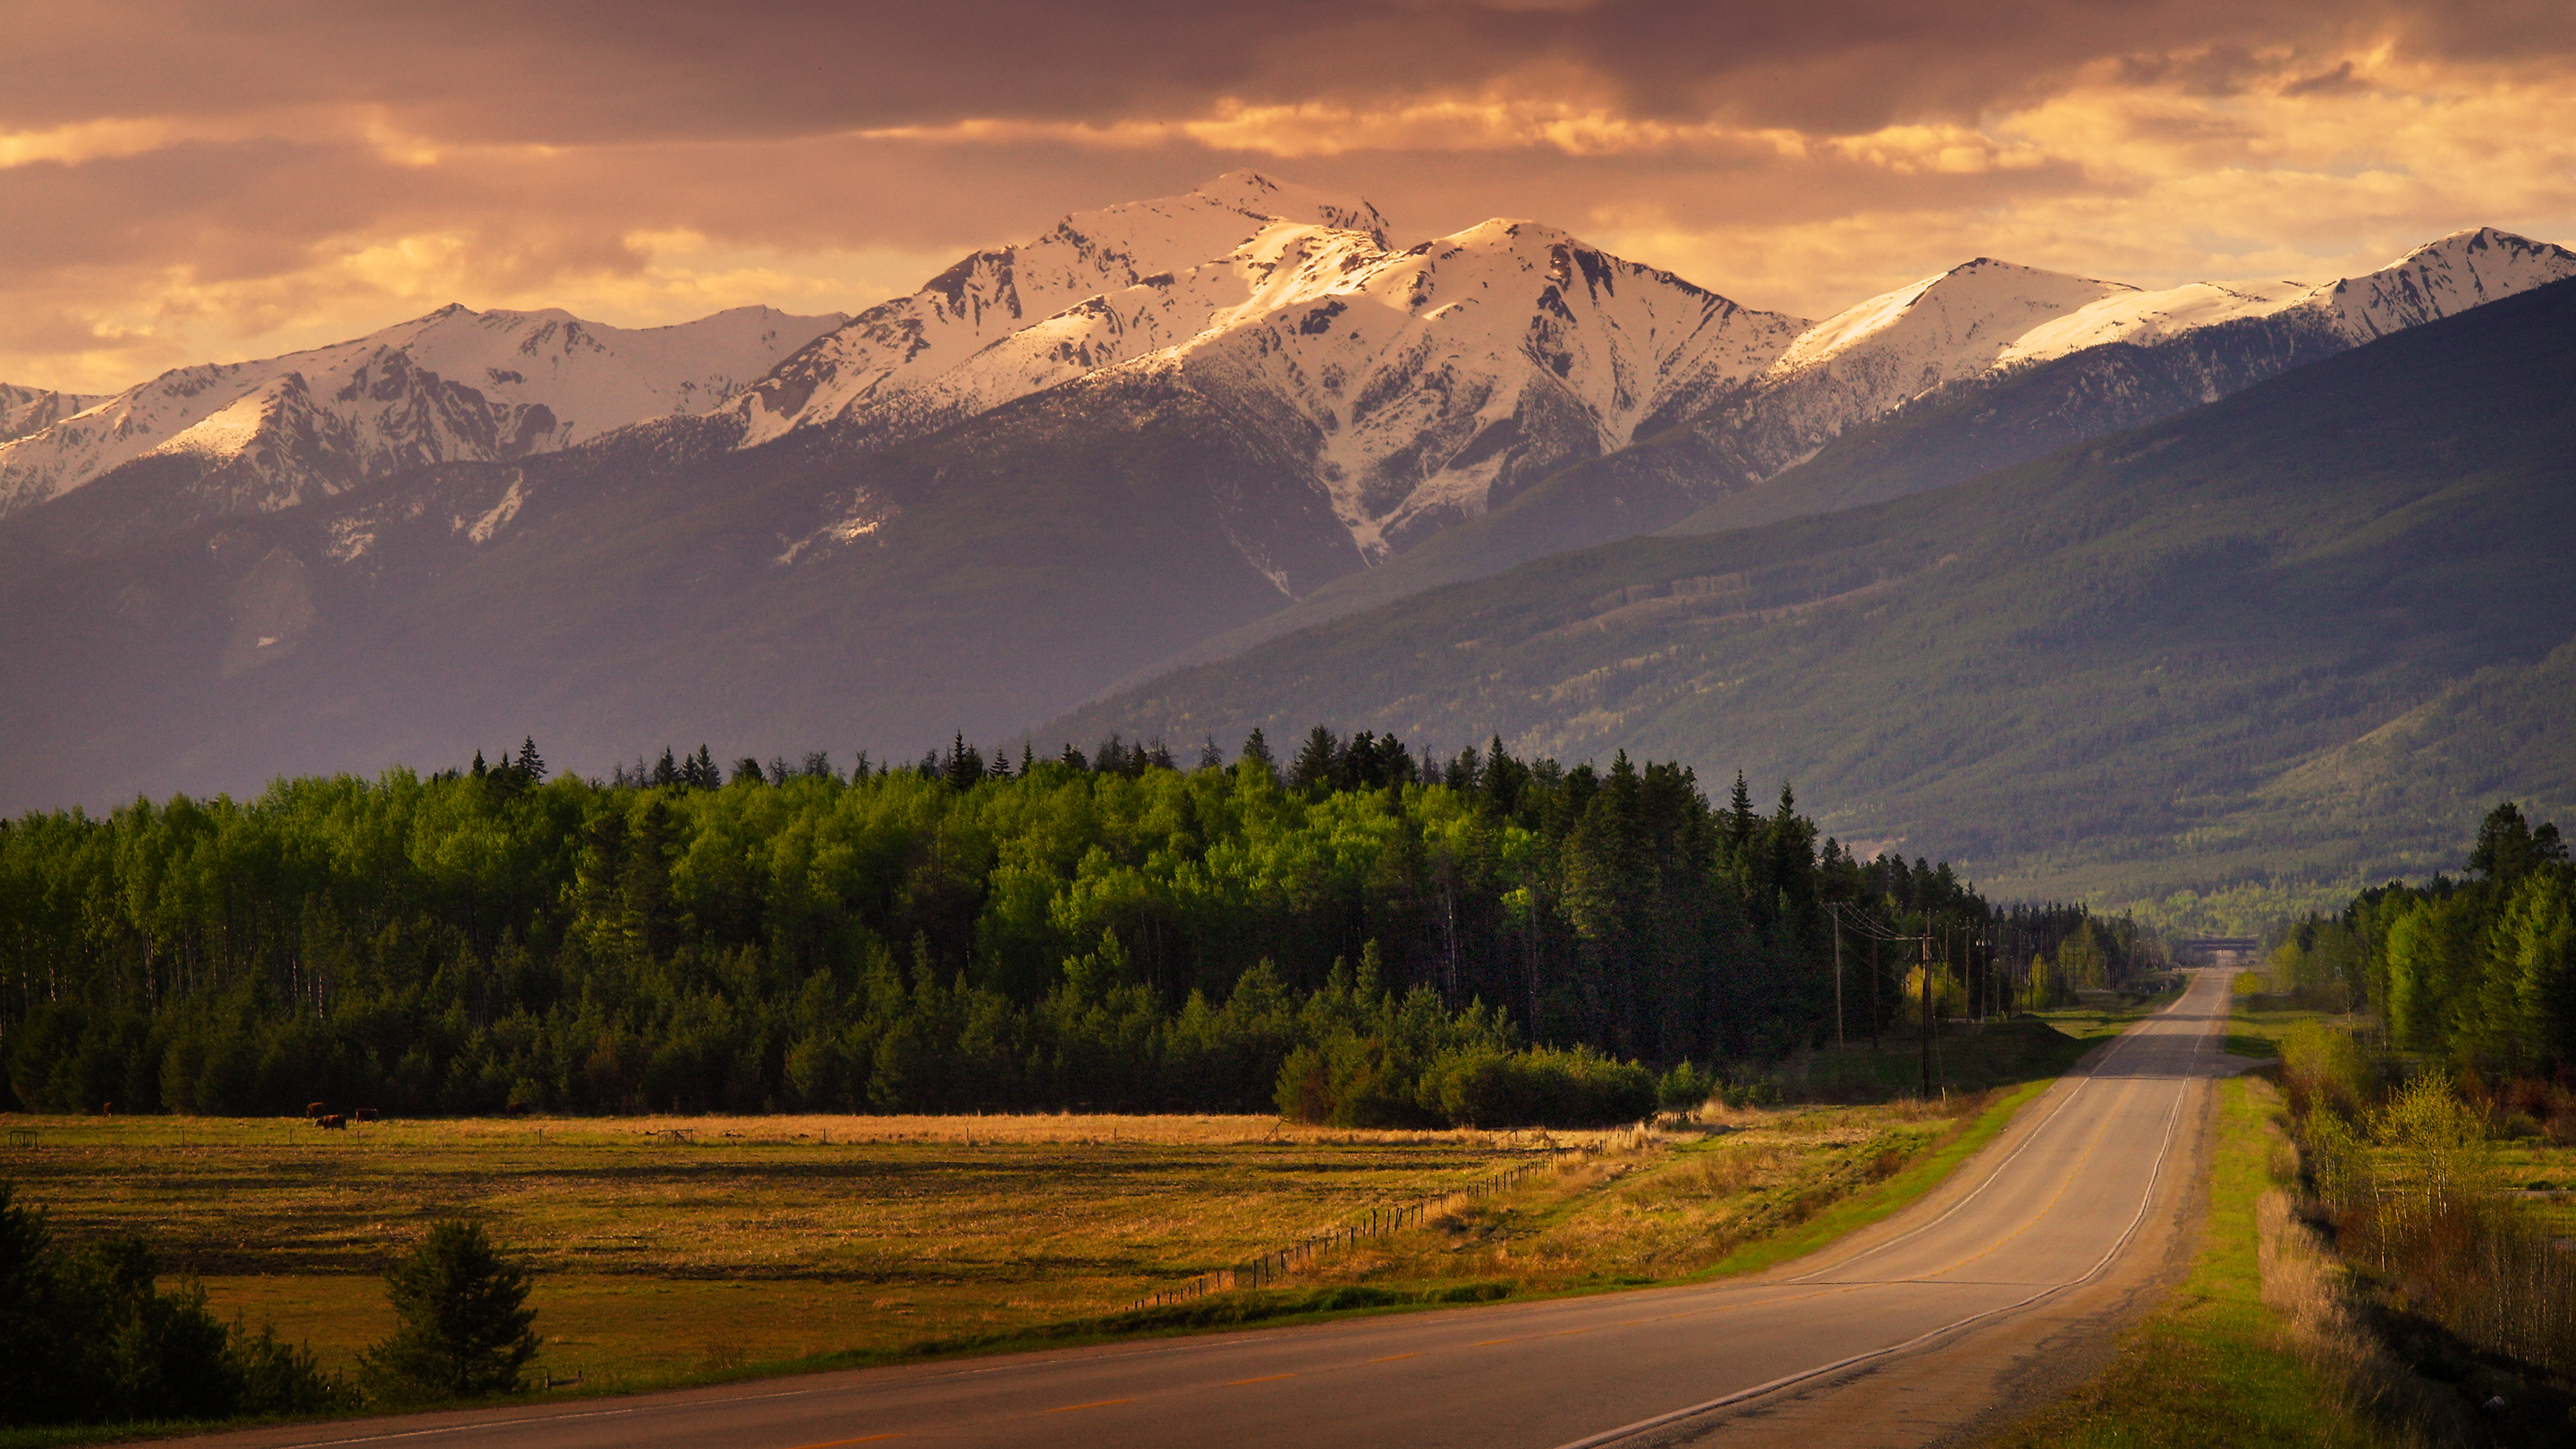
{"type": "Point", "coordinates": [1379, 1223]}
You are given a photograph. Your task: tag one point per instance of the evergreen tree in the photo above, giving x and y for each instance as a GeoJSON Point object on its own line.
{"type": "Point", "coordinates": [477, 770]}
{"type": "Point", "coordinates": [666, 771]}
{"type": "Point", "coordinates": [1256, 748]}
{"type": "Point", "coordinates": [529, 762]}
{"type": "Point", "coordinates": [464, 1328]}
{"type": "Point", "coordinates": [1210, 757]}
{"type": "Point", "coordinates": [1319, 764]}
{"type": "Point", "coordinates": [746, 771]}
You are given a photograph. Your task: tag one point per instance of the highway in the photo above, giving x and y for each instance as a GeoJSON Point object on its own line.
{"type": "Point", "coordinates": [2084, 1187]}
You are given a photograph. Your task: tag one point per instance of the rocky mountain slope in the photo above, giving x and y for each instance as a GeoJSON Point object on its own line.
{"type": "Point", "coordinates": [25, 410]}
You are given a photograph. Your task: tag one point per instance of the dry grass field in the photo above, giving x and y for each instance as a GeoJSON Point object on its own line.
{"type": "Point", "coordinates": [669, 1250]}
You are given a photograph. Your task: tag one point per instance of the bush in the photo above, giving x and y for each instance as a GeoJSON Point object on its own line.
{"type": "Point", "coordinates": [466, 1330]}
{"type": "Point", "coordinates": [85, 1337]}
{"type": "Point", "coordinates": [1685, 1088]}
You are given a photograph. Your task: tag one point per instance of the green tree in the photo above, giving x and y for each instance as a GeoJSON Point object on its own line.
{"type": "Point", "coordinates": [465, 1327]}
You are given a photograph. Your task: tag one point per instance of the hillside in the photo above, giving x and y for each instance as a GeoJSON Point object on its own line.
{"type": "Point", "coordinates": [2176, 656]}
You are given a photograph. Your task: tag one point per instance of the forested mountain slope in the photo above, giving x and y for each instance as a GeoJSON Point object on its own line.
{"type": "Point", "coordinates": [2172, 656]}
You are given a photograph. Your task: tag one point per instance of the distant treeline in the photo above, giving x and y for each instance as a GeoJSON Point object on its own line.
{"type": "Point", "coordinates": [2478, 973]}
{"type": "Point", "coordinates": [1360, 935]}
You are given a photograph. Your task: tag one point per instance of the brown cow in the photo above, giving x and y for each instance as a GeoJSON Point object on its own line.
{"type": "Point", "coordinates": [334, 1121]}
{"type": "Point", "coordinates": [312, 1110]}
{"type": "Point", "coordinates": [107, 1109]}
{"type": "Point", "coordinates": [366, 1114]}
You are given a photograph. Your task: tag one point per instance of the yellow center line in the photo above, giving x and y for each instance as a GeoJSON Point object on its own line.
{"type": "Point", "coordinates": [1562, 1332]}
{"type": "Point", "coordinates": [1094, 1404]}
{"type": "Point", "coordinates": [1490, 1342]}
{"type": "Point", "coordinates": [1390, 1358]}
{"type": "Point", "coordinates": [1264, 1379]}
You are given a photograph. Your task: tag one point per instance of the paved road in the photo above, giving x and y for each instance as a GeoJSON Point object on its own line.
{"type": "Point", "coordinates": [2065, 1196]}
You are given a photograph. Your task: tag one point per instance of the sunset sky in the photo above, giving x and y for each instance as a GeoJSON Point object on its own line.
{"type": "Point", "coordinates": [193, 182]}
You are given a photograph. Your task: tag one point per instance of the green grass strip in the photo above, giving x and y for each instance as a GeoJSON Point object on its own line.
{"type": "Point", "coordinates": [1864, 1208]}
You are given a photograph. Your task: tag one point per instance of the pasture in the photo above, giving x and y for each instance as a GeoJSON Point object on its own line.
{"type": "Point", "coordinates": [670, 1250]}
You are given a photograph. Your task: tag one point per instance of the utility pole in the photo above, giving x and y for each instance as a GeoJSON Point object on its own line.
{"type": "Point", "coordinates": [1839, 1044]}
{"type": "Point", "coordinates": [1925, 953]}
{"type": "Point", "coordinates": [1877, 986]}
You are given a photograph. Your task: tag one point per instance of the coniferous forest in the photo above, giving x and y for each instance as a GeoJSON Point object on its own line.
{"type": "Point", "coordinates": [1356, 934]}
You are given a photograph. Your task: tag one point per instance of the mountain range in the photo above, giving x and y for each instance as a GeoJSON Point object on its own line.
{"type": "Point", "coordinates": [2309, 632]}
{"type": "Point", "coordinates": [1155, 434]}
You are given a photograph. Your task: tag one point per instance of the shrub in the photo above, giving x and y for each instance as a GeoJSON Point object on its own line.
{"type": "Point", "coordinates": [85, 1337]}
{"type": "Point", "coordinates": [465, 1329]}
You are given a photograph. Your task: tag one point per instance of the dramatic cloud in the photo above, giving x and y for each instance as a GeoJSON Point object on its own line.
{"type": "Point", "coordinates": [181, 182]}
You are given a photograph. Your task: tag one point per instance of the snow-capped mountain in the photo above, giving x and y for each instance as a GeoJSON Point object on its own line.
{"type": "Point", "coordinates": [2121, 361]}
{"type": "Point", "coordinates": [1869, 358]}
{"type": "Point", "coordinates": [1101, 287]}
{"type": "Point", "coordinates": [1423, 387]}
{"type": "Point", "coordinates": [2437, 279]}
{"type": "Point", "coordinates": [456, 385]}
{"type": "Point", "coordinates": [1413, 386]}
{"type": "Point", "coordinates": [1949, 334]}
{"type": "Point", "coordinates": [25, 410]}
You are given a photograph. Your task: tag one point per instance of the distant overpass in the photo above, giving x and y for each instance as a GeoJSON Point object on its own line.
{"type": "Point", "coordinates": [2215, 950]}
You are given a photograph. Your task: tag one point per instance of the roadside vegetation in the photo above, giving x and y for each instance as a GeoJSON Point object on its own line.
{"type": "Point", "coordinates": [2388, 1255]}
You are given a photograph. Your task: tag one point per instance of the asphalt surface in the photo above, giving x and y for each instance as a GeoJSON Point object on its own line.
{"type": "Point", "coordinates": [2063, 1197]}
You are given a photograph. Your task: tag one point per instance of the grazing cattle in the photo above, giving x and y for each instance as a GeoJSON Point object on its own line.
{"type": "Point", "coordinates": [366, 1114]}
{"type": "Point", "coordinates": [107, 1109]}
{"type": "Point", "coordinates": [334, 1121]}
{"type": "Point", "coordinates": [312, 1110]}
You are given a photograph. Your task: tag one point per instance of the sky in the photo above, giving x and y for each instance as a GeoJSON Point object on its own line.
{"type": "Point", "coordinates": [185, 182]}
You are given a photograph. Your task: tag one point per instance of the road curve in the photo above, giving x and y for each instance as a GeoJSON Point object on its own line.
{"type": "Point", "coordinates": [2060, 1199]}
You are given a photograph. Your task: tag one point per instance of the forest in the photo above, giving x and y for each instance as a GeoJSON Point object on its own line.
{"type": "Point", "coordinates": [1360, 934]}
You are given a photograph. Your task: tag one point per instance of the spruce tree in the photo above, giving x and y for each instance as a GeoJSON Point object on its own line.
{"type": "Point", "coordinates": [1321, 763]}
{"type": "Point", "coordinates": [529, 762]}
{"type": "Point", "coordinates": [464, 1324]}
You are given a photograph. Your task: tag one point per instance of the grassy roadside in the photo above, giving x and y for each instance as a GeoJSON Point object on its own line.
{"type": "Point", "coordinates": [1887, 1198]}
{"type": "Point", "coordinates": [2210, 1368]}
{"type": "Point", "coordinates": [2214, 1366]}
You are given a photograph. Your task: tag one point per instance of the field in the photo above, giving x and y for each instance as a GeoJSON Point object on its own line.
{"type": "Point", "coordinates": [673, 1250]}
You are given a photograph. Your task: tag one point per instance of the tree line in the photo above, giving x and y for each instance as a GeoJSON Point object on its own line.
{"type": "Point", "coordinates": [1363, 933]}
{"type": "Point", "coordinates": [2476, 972]}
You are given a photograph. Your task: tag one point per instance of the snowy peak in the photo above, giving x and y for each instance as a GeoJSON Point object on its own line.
{"type": "Point", "coordinates": [1424, 386]}
{"type": "Point", "coordinates": [454, 385]}
{"type": "Point", "coordinates": [1943, 327]}
{"type": "Point", "coordinates": [887, 375]}
{"type": "Point", "coordinates": [2444, 277]}
{"type": "Point", "coordinates": [2147, 318]}
{"type": "Point", "coordinates": [2438, 279]}
{"type": "Point", "coordinates": [1257, 195]}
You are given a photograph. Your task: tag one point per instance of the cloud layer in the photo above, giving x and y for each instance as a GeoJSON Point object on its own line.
{"type": "Point", "coordinates": [181, 182]}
